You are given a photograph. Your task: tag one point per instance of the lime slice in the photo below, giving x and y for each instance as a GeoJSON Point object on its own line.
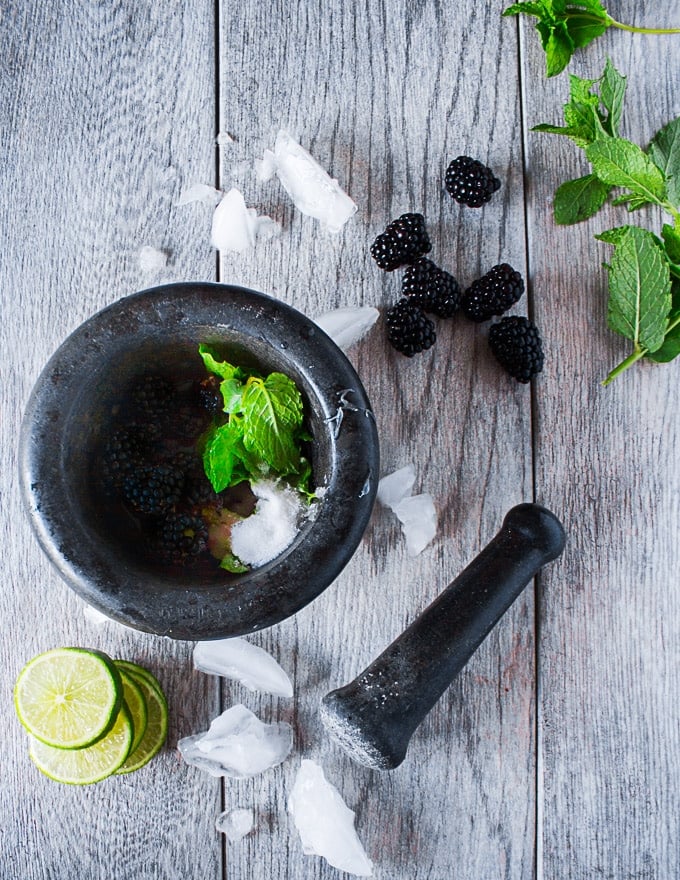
{"type": "Point", "coordinates": [136, 703]}
{"type": "Point", "coordinates": [91, 764]}
{"type": "Point", "coordinates": [137, 672]}
{"type": "Point", "coordinates": [156, 727]}
{"type": "Point", "coordinates": [68, 697]}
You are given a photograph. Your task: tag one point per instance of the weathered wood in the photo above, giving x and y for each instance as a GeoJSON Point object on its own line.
{"type": "Point", "coordinates": [107, 110]}
{"type": "Point", "coordinates": [384, 95]}
{"type": "Point", "coordinates": [605, 460]}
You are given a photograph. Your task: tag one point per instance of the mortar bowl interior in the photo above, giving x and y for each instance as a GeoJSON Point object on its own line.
{"type": "Point", "coordinates": [70, 414]}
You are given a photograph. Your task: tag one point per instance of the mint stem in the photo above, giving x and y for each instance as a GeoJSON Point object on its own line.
{"type": "Point", "coordinates": [629, 361]}
{"type": "Point", "coordinates": [640, 30]}
{"type": "Point", "coordinates": [636, 355]}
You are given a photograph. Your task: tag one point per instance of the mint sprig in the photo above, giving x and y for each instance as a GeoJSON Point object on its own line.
{"type": "Point", "coordinates": [564, 27]}
{"type": "Point", "coordinates": [263, 433]}
{"type": "Point", "coordinates": [644, 272]}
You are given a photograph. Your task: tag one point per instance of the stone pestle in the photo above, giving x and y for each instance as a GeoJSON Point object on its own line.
{"type": "Point", "coordinates": [374, 716]}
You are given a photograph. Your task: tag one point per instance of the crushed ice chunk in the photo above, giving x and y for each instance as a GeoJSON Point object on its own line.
{"type": "Point", "coordinates": [312, 190]}
{"type": "Point", "coordinates": [396, 486]}
{"type": "Point", "coordinates": [272, 526]}
{"type": "Point", "coordinates": [325, 823]}
{"type": "Point", "coordinates": [244, 662]}
{"type": "Point", "coordinates": [200, 192]}
{"type": "Point", "coordinates": [347, 325]}
{"type": "Point", "coordinates": [152, 259]}
{"type": "Point", "coordinates": [416, 513]}
{"type": "Point", "coordinates": [235, 227]}
{"type": "Point", "coordinates": [418, 519]}
{"type": "Point", "coordinates": [235, 824]}
{"type": "Point", "coordinates": [265, 168]}
{"type": "Point", "coordinates": [223, 138]}
{"type": "Point", "coordinates": [238, 745]}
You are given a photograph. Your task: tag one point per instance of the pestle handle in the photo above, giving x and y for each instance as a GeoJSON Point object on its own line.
{"type": "Point", "coordinates": [374, 716]}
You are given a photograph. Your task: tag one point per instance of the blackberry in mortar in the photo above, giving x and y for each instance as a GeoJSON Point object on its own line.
{"type": "Point", "coordinates": [404, 241]}
{"type": "Point", "coordinates": [431, 288]}
{"type": "Point", "coordinates": [152, 396]}
{"type": "Point", "coordinates": [493, 293]}
{"type": "Point", "coordinates": [409, 330]}
{"type": "Point", "coordinates": [181, 538]}
{"type": "Point", "coordinates": [470, 182]}
{"type": "Point", "coordinates": [125, 450]}
{"type": "Point", "coordinates": [516, 344]}
{"type": "Point", "coordinates": [153, 489]}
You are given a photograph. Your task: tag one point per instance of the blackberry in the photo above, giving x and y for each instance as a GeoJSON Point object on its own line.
{"type": "Point", "coordinates": [469, 182]}
{"type": "Point", "coordinates": [493, 293]}
{"type": "Point", "coordinates": [126, 449]}
{"type": "Point", "coordinates": [208, 395]}
{"type": "Point", "coordinates": [516, 345]}
{"type": "Point", "coordinates": [429, 287]}
{"type": "Point", "coordinates": [409, 330]}
{"type": "Point", "coordinates": [198, 490]}
{"type": "Point", "coordinates": [152, 396]}
{"type": "Point", "coordinates": [404, 241]}
{"type": "Point", "coordinates": [153, 489]}
{"type": "Point", "coordinates": [180, 539]}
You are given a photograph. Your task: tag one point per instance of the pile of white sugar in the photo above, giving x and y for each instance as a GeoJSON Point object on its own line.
{"type": "Point", "coordinates": [272, 526]}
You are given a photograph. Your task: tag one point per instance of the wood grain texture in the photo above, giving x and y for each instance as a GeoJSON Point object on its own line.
{"type": "Point", "coordinates": [384, 95]}
{"type": "Point", "coordinates": [605, 461]}
{"type": "Point", "coordinates": [107, 110]}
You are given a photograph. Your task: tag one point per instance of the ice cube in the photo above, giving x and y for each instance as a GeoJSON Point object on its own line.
{"type": "Point", "coordinates": [265, 168]}
{"type": "Point", "coordinates": [235, 823]}
{"type": "Point", "coordinates": [418, 519]}
{"type": "Point", "coordinates": [238, 745]}
{"type": "Point", "coordinates": [223, 138]}
{"type": "Point", "coordinates": [396, 486]}
{"type": "Point", "coordinates": [325, 823]}
{"type": "Point", "coordinates": [312, 190]}
{"type": "Point", "coordinates": [152, 259]}
{"type": "Point", "coordinates": [244, 662]}
{"type": "Point", "coordinates": [200, 192]}
{"type": "Point", "coordinates": [235, 227]}
{"type": "Point", "coordinates": [347, 325]}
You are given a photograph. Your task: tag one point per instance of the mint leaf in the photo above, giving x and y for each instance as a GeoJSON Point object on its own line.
{"type": "Point", "coordinates": [619, 162]}
{"type": "Point", "coordinates": [537, 8]}
{"type": "Point", "coordinates": [613, 94]}
{"type": "Point", "coordinates": [665, 152]}
{"type": "Point", "coordinates": [639, 288]}
{"type": "Point", "coordinates": [233, 564]}
{"type": "Point", "coordinates": [232, 394]}
{"type": "Point", "coordinates": [559, 48]}
{"type": "Point", "coordinates": [577, 200]}
{"type": "Point", "coordinates": [220, 455]}
{"type": "Point", "coordinates": [220, 368]}
{"type": "Point", "coordinates": [583, 30]}
{"type": "Point", "coordinates": [272, 410]}
{"type": "Point", "coordinates": [671, 239]}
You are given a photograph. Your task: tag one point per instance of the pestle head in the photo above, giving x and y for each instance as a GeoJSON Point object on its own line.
{"type": "Point", "coordinates": [538, 528]}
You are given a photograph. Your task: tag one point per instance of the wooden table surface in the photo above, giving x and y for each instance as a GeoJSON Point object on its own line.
{"type": "Point", "coordinates": [555, 754]}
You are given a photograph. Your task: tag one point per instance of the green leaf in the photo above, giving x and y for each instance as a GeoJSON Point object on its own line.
{"type": "Point", "coordinates": [639, 289]}
{"type": "Point", "coordinates": [220, 455]}
{"type": "Point", "coordinates": [613, 236]}
{"type": "Point", "coordinates": [613, 93]}
{"type": "Point", "coordinates": [537, 8]}
{"type": "Point", "coordinates": [558, 49]}
{"type": "Point", "coordinates": [671, 239]}
{"type": "Point", "coordinates": [220, 368]}
{"type": "Point", "coordinates": [665, 152]}
{"type": "Point", "coordinates": [272, 412]}
{"type": "Point", "coordinates": [594, 7]}
{"type": "Point", "coordinates": [232, 395]}
{"type": "Point", "coordinates": [583, 30]}
{"type": "Point", "coordinates": [619, 162]}
{"type": "Point", "coordinates": [576, 200]}
{"type": "Point", "coordinates": [233, 564]}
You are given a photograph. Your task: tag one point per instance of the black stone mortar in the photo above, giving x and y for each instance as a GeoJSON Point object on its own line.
{"type": "Point", "coordinates": [72, 407]}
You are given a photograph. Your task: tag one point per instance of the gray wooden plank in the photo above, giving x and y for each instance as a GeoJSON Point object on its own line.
{"type": "Point", "coordinates": [384, 95]}
{"type": "Point", "coordinates": [107, 110]}
{"type": "Point", "coordinates": [605, 458]}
